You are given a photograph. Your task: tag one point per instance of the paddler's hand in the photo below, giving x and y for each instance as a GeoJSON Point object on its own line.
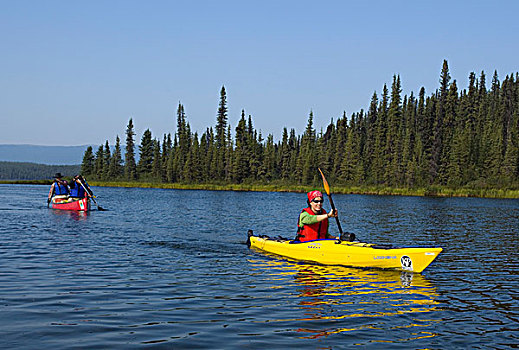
{"type": "Point", "coordinates": [333, 213]}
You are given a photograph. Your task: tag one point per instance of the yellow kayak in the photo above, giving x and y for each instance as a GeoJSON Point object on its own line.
{"type": "Point", "coordinates": [356, 254]}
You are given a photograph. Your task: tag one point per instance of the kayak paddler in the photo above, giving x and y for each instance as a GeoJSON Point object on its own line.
{"type": "Point", "coordinates": [313, 220]}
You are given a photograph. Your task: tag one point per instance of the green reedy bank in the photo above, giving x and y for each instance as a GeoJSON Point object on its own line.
{"type": "Point", "coordinates": [370, 190]}
{"type": "Point", "coordinates": [435, 191]}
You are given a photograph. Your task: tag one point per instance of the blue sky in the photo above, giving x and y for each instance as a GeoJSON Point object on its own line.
{"type": "Point", "coordinates": [73, 72]}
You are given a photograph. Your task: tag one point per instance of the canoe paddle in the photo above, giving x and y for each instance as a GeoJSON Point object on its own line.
{"type": "Point", "coordinates": [92, 196]}
{"type": "Point", "coordinates": [327, 189]}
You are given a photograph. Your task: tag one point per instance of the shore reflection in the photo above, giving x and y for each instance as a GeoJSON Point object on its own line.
{"type": "Point", "coordinates": [336, 299]}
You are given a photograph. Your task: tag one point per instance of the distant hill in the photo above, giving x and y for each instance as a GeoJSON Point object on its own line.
{"type": "Point", "coordinates": [51, 155]}
{"type": "Point", "coordinates": [33, 171]}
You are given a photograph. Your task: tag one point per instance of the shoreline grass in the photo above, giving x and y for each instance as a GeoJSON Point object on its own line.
{"type": "Point", "coordinates": [433, 191]}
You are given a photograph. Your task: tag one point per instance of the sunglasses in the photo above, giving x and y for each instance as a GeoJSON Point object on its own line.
{"type": "Point", "coordinates": [317, 201]}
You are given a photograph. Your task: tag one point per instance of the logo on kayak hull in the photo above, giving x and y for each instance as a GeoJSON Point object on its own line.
{"type": "Point", "coordinates": [384, 257]}
{"type": "Point", "coordinates": [407, 263]}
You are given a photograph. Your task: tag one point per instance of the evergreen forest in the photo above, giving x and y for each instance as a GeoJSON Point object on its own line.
{"type": "Point", "coordinates": [452, 137]}
{"type": "Point", "coordinates": [33, 171]}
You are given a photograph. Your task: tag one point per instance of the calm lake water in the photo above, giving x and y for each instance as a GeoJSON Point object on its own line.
{"type": "Point", "coordinates": [170, 269]}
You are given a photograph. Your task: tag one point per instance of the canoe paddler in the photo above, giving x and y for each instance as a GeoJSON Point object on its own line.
{"type": "Point", "coordinates": [59, 188]}
{"type": "Point", "coordinates": [313, 220]}
{"type": "Point", "coordinates": [79, 188]}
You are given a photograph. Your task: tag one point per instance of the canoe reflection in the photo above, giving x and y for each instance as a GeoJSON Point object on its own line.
{"type": "Point", "coordinates": [338, 299]}
{"type": "Point", "coordinates": [72, 214]}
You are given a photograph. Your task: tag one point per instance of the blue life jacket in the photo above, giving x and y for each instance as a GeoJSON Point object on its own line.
{"type": "Point", "coordinates": [78, 190]}
{"type": "Point", "coordinates": [60, 189]}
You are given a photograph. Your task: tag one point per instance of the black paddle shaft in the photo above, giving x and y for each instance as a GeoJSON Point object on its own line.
{"type": "Point", "coordinates": [337, 217]}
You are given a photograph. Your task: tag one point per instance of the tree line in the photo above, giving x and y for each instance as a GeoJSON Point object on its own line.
{"type": "Point", "coordinates": [33, 171]}
{"type": "Point", "coordinates": [451, 137]}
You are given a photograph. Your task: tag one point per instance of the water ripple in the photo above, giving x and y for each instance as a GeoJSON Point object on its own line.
{"type": "Point", "coordinates": [149, 274]}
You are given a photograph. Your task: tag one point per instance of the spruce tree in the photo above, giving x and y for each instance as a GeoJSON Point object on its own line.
{"type": "Point", "coordinates": [267, 168]}
{"type": "Point", "coordinates": [187, 171]}
{"type": "Point", "coordinates": [229, 154]}
{"type": "Point", "coordinates": [87, 166]}
{"type": "Point", "coordinates": [99, 163]}
{"type": "Point", "coordinates": [171, 168]}
{"type": "Point", "coordinates": [438, 125]}
{"type": "Point", "coordinates": [294, 147]}
{"type": "Point", "coordinates": [116, 168]}
{"type": "Point", "coordinates": [409, 141]}
{"type": "Point", "coordinates": [448, 129]}
{"type": "Point", "coordinates": [380, 137]}
{"type": "Point", "coordinates": [471, 113]}
{"type": "Point", "coordinates": [146, 149]}
{"type": "Point", "coordinates": [255, 151]}
{"type": "Point", "coordinates": [510, 105]}
{"type": "Point", "coordinates": [361, 132]}
{"type": "Point", "coordinates": [195, 166]}
{"type": "Point", "coordinates": [349, 160]}
{"type": "Point", "coordinates": [430, 172]}
{"type": "Point", "coordinates": [166, 150]}
{"type": "Point", "coordinates": [183, 137]}
{"type": "Point", "coordinates": [285, 156]}
{"type": "Point", "coordinates": [241, 158]}
{"type": "Point", "coordinates": [511, 157]}
{"type": "Point", "coordinates": [221, 135]}
{"type": "Point", "coordinates": [259, 152]}
{"type": "Point", "coordinates": [205, 155]}
{"type": "Point", "coordinates": [392, 153]}
{"type": "Point", "coordinates": [327, 148]}
{"type": "Point", "coordinates": [308, 159]}
{"type": "Point", "coordinates": [107, 157]}
{"type": "Point", "coordinates": [342, 135]}
{"type": "Point", "coordinates": [130, 168]}
{"type": "Point", "coordinates": [213, 156]}
{"type": "Point", "coordinates": [371, 123]}
{"type": "Point", "coordinates": [157, 162]}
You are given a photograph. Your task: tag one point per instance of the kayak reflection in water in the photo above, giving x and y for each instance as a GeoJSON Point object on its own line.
{"type": "Point", "coordinates": [313, 220]}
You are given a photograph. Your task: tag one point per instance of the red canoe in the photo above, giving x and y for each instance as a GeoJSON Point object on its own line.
{"type": "Point", "coordinates": [78, 204]}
